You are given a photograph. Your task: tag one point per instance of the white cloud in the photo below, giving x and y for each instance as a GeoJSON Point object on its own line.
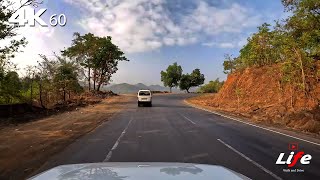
{"type": "Point", "coordinates": [38, 43]}
{"type": "Point", "coordinates": [144, 25]}
{"type": "Point", "coordinates": [221, 45]}
{"type": "Point", "coordinates": [227, 45]}
{"type": "Point", "coordinates": [41, 40]}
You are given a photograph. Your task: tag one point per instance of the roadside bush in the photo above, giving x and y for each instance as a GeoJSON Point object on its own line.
{"type": "Point", "coordinates": [212, 86]}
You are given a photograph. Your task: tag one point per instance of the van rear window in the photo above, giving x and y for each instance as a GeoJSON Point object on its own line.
{"type": "Point", "coordinates": [144, 93]}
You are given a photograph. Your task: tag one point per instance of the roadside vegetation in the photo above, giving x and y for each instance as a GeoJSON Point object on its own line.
{"type": "Point", "coordinates": [275, 79]}
{"type": "Point", "coordinates": [292, 44]}
{"type": "Point", "coordinates": [212, 86]}
{"type": "Point", "coordinates": [58, 79]}
{"type": "Point", "coordinates": [173, 77]}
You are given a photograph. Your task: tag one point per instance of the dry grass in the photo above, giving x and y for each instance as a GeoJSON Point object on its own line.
{"type": "Point", "coordinates": [25, 147]}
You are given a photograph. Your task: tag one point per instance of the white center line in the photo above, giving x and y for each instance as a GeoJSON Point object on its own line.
{"type": "Point", "coordinates": [250, 160]}
{"type": "Point", "coordinates": [187, 119]}
{"type": "Point", "coordinates": [117, 142]}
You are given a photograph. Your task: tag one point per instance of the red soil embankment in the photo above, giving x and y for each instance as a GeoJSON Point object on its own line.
{"type": "Point", "coordinates": [257, 93]}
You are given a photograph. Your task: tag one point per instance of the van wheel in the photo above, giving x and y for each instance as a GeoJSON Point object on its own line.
{"type": "Point", "coordinates": [150, 104]}
{"type": "Point", "coordinates": [139, 104]}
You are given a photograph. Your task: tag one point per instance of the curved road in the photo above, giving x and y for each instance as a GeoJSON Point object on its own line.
{"type": "Point", "coordinates": [172, 131]}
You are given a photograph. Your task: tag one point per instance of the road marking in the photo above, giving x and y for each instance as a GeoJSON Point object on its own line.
{"type": "Point", "coordinates": [235, 119]}
{"type": "Point", "coordinates": [250, 160]}
{"type": "Point", "coordinates": [187, 119]}
{"type": "Point", "coordinates": [117, 142]}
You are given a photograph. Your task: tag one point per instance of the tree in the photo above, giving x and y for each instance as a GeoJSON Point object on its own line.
{"type": "Point", "coordinates": [229, 64]}
{"type": "Point", "coordinates": [171, 77]}
{"type": "Point", "coordinates": [10, 88]}
{"type": "Point", "coordinates": [82, 49]}
{"type": "Point", "coordinates": [66, 77]}
{"type": "Point", "coordinates": [98, 55]}
{"type": "Point", "coordinates": [191, 80]}
{"type": "Point", "coordinates": [304, 24]}
{"type": "Point", "coordinates": [8, 77]}
{"type": "Point", "coordinates": [7, 32]}
{"type": "Point", "coordinates": [185, 82]}
{"type": "Point", "coordinates": [105, 61]}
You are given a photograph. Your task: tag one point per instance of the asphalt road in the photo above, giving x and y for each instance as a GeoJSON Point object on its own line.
{"type": "Point", "coordinates": [172, 131]}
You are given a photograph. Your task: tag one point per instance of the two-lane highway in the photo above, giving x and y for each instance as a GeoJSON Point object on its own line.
{"type": "Point", "coordinates": [172, 131]}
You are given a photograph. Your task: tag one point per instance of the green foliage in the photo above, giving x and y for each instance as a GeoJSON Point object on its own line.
{"type": "Point", "coordinates": [212, 86]}
{"type": "Point", "coordinates": [185, 82]}
{"type": "Point", "coordinates": [98, 55]}
{"type": "Point", "coordinates": [304, 24]}
{"type": "Point", "coordinates": [171, 77]}
{"type": "Point", "coordinates": [66, 77]}
{"type": "Point", "coordinates": [191, 80]}
{"type": "Point", "coordinates": [229, 64]}
{"type": "Point", "coordinates": [293, 43]}
{"type": "Point", "coordinates": [7, 32]}
{"type": "Point", "coordinates": [10, 86]}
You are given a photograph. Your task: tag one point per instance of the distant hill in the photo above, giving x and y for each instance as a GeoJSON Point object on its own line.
{"type": "Point", "coordinates": [142, 86]}
{"type": "Point", "coordinates": [124, 88]}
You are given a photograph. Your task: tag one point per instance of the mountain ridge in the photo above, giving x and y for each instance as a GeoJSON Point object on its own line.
{"type": "Point", "coordinates": [124, 88]}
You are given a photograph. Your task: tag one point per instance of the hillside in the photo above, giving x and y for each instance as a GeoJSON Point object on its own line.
{"type": "Point", "coordinates": [257, 93]}
{"type": "Point", "coordinates": [124, 88]}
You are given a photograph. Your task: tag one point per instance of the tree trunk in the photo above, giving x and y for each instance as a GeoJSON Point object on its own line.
{"type": "Point", "coordinates": [94, 79]}
{"type": "Point", "coordinates": [187, 90]}
{"type": "Point", "coordinates": [64, 94]}
{"type": "Point", "coordinates": [31, 92]}
{"type": "Point", "coordinates": [303, 76]}
{"type": "Point", "coordinates": [101, 80]}
{"type": "Point", "coordinates": [89, 80]}
{"type": "Point", "coordinates": [40, 95]}
{"type": "Point", "coordinates": [170, 89]}
{"type": "Point", "coordinates": [99, 86]}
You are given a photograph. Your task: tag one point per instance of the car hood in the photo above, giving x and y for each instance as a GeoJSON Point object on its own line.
{"type": "Point", "coordinates": [139, 171]}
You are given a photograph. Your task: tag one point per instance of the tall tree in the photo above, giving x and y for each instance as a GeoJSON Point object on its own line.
{"type": "Point", "coordinates": [98, 54]}
{"type": "Point", "coordinates": [83, 49]}
{"type": "Point", "coordinates": [171, 77]}
{"type": "Point", "coordinates": [185, 82]}
{"type": "Point", "coordinates": [304, 24]}
{"type": "Point", "coordinates": [66, 77]}
{"type": "Point", "coordinates": [191, 80]}
{"type": "Point", "coordinates": [105, 60]}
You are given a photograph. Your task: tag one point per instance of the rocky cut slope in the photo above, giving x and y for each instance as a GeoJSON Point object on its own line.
{"type": "Point", "coordinates": [257, 93]}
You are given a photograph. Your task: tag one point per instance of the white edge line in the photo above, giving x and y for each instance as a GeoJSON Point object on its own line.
{"type": "Point", "coordinates": [314, 143]}
{"type": "Point", "coordinates": [250, 160]}
{"type": "Point", "coordinates": [116, 143]}
{"type": "Point", "coordinates": [187, 118]}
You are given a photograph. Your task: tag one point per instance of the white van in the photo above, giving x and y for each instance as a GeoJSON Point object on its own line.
{"type": "Point", "coordinates": [144, 97]}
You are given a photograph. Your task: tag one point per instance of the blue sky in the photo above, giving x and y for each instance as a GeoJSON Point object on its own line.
{"type": "Point", "coordinates": [155, 33]}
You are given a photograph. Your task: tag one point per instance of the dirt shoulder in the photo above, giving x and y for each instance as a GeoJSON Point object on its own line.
{"type": "Point", "coordinates": [25, 147]}
{"type": "Point", "coordinates": [204, 102]}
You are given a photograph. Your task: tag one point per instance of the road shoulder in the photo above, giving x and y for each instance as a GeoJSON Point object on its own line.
{"type": "Point", "coordinates": [25, 147]}
{"type": "Point", "coordinates": [281, 130]}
